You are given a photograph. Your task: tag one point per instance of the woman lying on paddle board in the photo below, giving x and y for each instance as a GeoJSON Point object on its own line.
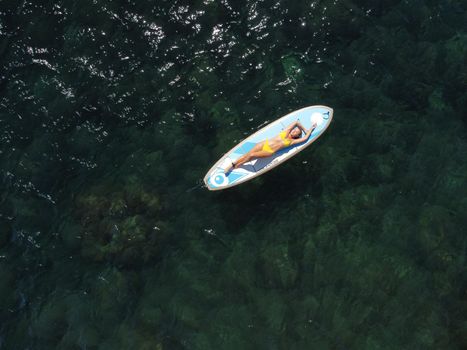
{"type": "Point", "coordinates": [290, 136]}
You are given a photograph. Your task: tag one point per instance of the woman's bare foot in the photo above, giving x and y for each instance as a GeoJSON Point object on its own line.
{"type": "Point", "coordinates": [228, 166]}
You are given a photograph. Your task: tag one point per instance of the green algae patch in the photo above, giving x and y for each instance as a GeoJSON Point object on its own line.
{"type": "Point", "coordinates": [456, 49]}
{"type": "Point", "coordinates": [292, 68]}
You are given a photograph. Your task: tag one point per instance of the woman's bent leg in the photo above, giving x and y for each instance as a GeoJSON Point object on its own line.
{"type": "Point", "coordinates": [256, 152]}
{"type": "Point", "coordinates": [251, 155]}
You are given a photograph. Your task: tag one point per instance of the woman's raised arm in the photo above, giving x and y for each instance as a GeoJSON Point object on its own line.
{"type": "Point", "coordinates": [304, 138]}
{"type": "Point", "coordinates": [293, 125]}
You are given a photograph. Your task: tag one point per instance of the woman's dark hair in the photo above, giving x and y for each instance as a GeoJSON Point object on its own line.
{"type": "Point", "coordinates": [298, 136]}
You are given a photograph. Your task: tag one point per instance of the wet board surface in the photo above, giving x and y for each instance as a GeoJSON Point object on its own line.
{"type": "Point", "coordinates": [216, 179]}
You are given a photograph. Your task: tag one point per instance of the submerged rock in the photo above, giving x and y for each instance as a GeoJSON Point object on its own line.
{"type": "Point", "coordinates": [433, 226]}
{"type": "Point", "coordinates": [121, 227]}
{"type": "Point", "coordinates": [50, 323]}
{"type": "Point", "coordinates": [279, 268]}
{"type": "Point", "coordinates": [7, 284]}
{"type": "Point", "coordinates": [5, 232]}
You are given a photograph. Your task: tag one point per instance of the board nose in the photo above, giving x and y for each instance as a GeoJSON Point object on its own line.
{"type": "Point", "coordinates": [317, 118]}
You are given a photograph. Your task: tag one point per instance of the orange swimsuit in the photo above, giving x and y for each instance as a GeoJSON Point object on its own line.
{"type": "Point", "coordinates": [285, 141]}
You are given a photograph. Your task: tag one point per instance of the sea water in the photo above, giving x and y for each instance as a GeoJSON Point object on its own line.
{"type": "Point", "coordinates": [111, 112]}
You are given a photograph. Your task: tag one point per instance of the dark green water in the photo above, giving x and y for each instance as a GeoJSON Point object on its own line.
{"type": "Point", "coordinates": [111, 112]}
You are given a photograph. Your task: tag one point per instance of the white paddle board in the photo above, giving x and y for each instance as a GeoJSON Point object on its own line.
{"type": "Point", "coordinates": [217, 179]}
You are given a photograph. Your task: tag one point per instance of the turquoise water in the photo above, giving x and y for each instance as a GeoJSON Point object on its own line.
{"type": "Point", "coordinates": [111, 112]}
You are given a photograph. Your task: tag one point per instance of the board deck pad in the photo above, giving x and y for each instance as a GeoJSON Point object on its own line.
{"type": "Point", "coordinates": [216, 179]}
